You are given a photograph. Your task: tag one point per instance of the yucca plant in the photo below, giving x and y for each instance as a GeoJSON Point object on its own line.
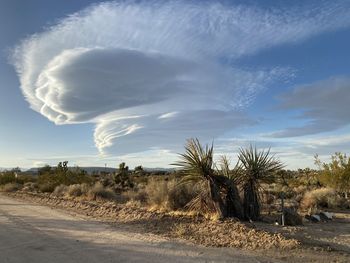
{"type": "Point", "coordinates": [197, 166]}
{"type": "Point", "coordinates": [258, 167]}
{"type": "Point", "coordinates": [216, 192]}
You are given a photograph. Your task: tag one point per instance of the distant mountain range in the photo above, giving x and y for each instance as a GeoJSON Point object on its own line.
{"type": "Point", "coordinates": [93, 169]}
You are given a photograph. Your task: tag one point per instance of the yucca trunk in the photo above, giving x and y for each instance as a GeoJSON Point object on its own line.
{"type": "Point", "coordinates": [251, 202]}
{"type": "Point", "coordinates": [216, 198]}
{"type": "Point", "coordinates": [233, 202]}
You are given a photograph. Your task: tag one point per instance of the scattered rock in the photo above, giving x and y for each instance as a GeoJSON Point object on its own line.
{"type": "Point", "coordinates": [315, 218]}
{"type": "Point", "coordinates": [325, 216]}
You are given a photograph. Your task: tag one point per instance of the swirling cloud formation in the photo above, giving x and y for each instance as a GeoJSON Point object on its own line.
{"type": "Point", "coordinates": [150, 74]}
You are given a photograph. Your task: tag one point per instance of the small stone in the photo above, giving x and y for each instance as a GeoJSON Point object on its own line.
{"type": "Point", "coordinates": [326, 216]}
{"type": "Point", "coordinates": [315, 218]}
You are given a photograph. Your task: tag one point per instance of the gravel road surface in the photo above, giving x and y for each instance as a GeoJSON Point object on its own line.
{"type": "Point", "coordinates": [34, 233]}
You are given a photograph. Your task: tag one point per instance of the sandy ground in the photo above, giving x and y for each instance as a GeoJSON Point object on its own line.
{"type": "Point", "coordinates": [36, 233]}
{"type": "Point", "coordinates": [333, 235]}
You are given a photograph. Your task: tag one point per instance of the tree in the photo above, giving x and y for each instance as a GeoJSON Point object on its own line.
{"type": "Point", "coordinates": [139, 170]}
{"type": "Point", "coordinates": [122, 176]}
{"type": "Point", "coordinates": [257, 167]}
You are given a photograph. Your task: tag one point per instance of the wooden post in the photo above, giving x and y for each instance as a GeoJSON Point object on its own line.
{"type": "Point", "coordinates": [282, 207]}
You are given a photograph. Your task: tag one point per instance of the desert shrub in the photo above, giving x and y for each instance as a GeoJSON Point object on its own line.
{"type": "Point", "coordinates": [98, 191]}
{"type": "Point", "coordinates": [11, 187]}
{"type": "Point", "coordinates": [75, 190]}
{"type": "Point", "coordinates": [47, 187]}
{"type": "Point", "coordinates": [24, 178]}
{"type": "Point", "coordinates": [169, 194]}
{"type": "Point", "coordinates": [321, 198]}
{"type": "Point", "coordinates": [299, 192]}
{"type": "Point", "coordinates": [60, 190]}
{"type": "Point", "coordinates": [157, 192]}
{"type": "Point", "coordinates": [336, 174]}
{"type": "Point", "coordinates": [7, 177]}
{"type": "Point", "coordinates": [179, 195]}
{"type": "Point", "coordinates": [49, 178]}
{"type": "Point", "coordinates": [301, 189]}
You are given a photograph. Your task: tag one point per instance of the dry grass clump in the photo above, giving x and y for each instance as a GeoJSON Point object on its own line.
{"type": "Point", "coordinates": [179, 195]}
{"type": "Point", "coordinates": [322, 197]}
{"type": "Point", "coordinates": [98, 191]}
{"type": "Point", "coordinates": [11, 187]}
{"type": "Point", "coordinates": [134, 195]}
{"type": "Point", "coordinates": [157, 192]}
{"type": "Point", "coordinates": [168, 195]}
{"type": "Point", "coordinates": [60, 190]}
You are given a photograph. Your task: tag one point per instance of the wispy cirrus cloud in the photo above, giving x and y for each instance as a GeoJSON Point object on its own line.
{"type": "Point", "coordinates": [153, 73]}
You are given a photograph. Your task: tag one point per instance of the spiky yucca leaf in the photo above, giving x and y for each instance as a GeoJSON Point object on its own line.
{"type": "Point", "coordinates": [197, 166]}
{"type": "Point", "coordinates": [258, 167]}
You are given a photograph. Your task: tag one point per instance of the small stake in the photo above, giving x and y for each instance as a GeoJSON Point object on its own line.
{"type": "Point", "coordinates": [282, 206]}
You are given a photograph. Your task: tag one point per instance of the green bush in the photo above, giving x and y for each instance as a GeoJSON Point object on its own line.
{"type": "Point", "coordinates": [11, 187]}
{"type": "Point", "coordinates": [49, 178]}
{"type": "Point", "coordinates": [336, 174]}
{"type": "Point", "coordinates": [7, 177]}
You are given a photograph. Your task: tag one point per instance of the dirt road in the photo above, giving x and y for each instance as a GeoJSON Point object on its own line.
{"type": "Point", "coordinates": [36, 233]}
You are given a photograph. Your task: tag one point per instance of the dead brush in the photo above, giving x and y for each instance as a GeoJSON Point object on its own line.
{"type": "Point", "coordinates": [98, 191]}
{"type": "Point", "coordinates": [76, 190]}
{"type": "Point", "coordinates": [318, 198]}
{"type": "Point", "coordinates": [60, 190]}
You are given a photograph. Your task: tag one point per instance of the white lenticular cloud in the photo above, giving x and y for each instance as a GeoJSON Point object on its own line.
{"type": "Point", "coordinates": [153, 73]}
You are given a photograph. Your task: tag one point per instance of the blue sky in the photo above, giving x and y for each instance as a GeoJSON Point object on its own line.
{"type": "Point", "coordinates": [104, 82]}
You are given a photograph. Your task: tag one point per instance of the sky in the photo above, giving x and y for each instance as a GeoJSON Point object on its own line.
{"type": "Point", "coordinates": [99, 83]}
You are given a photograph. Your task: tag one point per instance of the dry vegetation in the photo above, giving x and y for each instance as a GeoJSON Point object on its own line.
{"type": "Point", "coordinates": [205, 202]}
